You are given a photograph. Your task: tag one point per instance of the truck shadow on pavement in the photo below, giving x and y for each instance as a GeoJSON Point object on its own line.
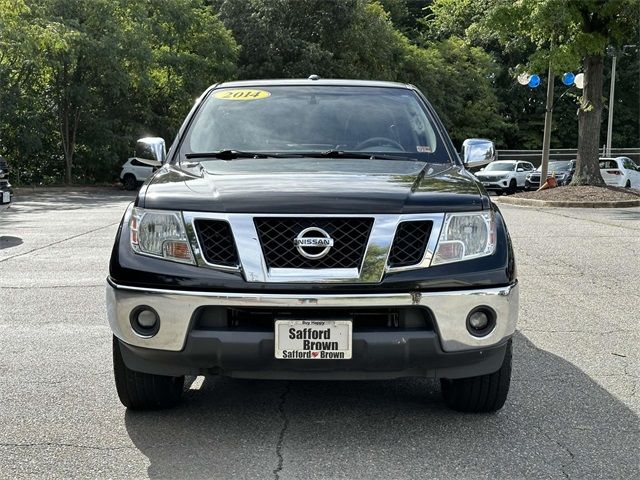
{"type": "Point", "coordinates": [557, 423]}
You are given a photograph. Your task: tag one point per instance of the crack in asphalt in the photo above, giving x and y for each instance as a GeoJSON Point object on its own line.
{"type": "Point", "coordinates": [283, 430]}
{"type": "Point", "coordinates": [58, 242]}
{"type": "Point", "coordinates": [567, 450]}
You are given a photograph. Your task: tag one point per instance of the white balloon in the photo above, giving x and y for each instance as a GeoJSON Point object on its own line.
{"type": "Point", "coordinates": [579, 81]}
{"type": "Point", "coordinates": [523, 78]}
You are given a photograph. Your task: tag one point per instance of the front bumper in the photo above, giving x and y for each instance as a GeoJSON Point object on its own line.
{"type": "Point", "coordinates": [178, 308]}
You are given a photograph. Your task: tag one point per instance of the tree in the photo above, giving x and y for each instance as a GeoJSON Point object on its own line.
{"type": "Point", "coordinates": [81, 79]}
{"type": "Point", "coordinates": [567, 33]}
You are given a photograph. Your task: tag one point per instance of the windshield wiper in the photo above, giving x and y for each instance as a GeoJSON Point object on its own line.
{"type": "Point", "coordinates": [229, 154]}
{"type": "Point", "coordinates": [232, 154]}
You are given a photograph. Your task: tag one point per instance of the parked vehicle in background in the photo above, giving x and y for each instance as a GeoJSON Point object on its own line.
{"type": "Point", "coordinates": [133, 173]}
{"type": "Point", "coordinates": [563, 171]}
{"type": "Point", "coordinates": [478, 152]}
{"type": "Point", "coordinates": [6, 192]}
{"type": "Point", "coordinates": [505, 175]}
{"type": "Point", "coordinates": [620, 172]}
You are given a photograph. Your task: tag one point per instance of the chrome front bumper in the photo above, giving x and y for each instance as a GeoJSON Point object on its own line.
{"type": "Point", "coordinates": [176, 309]}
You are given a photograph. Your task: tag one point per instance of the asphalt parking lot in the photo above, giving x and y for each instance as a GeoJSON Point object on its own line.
{"type": "Point", "coordinates": [572, 412]}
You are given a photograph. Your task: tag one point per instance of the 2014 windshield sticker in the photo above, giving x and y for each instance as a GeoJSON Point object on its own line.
{"type": "Point", "coordinates": [423, 149]}
{"type": "Point", "coordinates": [242, 94]}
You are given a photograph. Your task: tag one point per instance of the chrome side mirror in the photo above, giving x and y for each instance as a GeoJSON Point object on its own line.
{"type": "Point", "coordinates": [151, 150]}
{"type": "Point", "coordinates": [477, 152]}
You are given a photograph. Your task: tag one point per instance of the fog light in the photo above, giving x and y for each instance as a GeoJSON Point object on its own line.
{"type": "Point", "coordinates": [481, 321]}
{"type": "Point", "coordinates": [478, 320]}
{"type": "Point", "coordinates": [147, 318]}
{"type": "Point", "coordinates": [145, 321]}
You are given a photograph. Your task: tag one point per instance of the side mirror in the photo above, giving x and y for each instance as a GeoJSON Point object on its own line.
{"type": "Point", "coordinates": [477, 152]}
{"type": "Point", "coordinates": [520, 170]}
{"type": "Point", "coordinates": [151, 151]}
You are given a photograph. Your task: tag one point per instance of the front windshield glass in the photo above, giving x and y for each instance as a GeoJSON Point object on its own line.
{"type": "Point", "coordinates": [298, 119]}
{"type": "Point", "coordinates": [500, 166]}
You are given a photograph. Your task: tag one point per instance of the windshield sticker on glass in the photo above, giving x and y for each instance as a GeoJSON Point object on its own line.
{"type": "Point", "coordinates": [242, 94]}
{"type": "Point", "coordinates": [423, 149]}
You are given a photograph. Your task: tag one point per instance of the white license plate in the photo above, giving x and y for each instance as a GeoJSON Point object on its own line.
{"type": "Point", "coordinates": [313, 339]}
{"type": "Point", "coordinates": [6, 197]}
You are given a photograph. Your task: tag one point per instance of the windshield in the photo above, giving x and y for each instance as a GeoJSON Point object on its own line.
{"type": "Point", "coordinates": [557, 167]}
{"type": "Point", "coordinates": [500, 166]}
{"type": "Point", "coordinates": [298, 119]}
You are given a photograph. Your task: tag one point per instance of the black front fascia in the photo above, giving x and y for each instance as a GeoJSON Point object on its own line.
{"type": "Point", "coordinates": [129, 268]}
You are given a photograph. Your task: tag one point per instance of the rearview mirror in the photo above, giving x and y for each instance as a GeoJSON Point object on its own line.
{"type": "Point", "coordinates": [477, 152]}
{"type": "Point", "coordinates": [151, 151]}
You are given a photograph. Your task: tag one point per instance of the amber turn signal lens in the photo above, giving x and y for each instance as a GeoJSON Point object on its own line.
{"type": "Point", "coordinates": [177, 249]}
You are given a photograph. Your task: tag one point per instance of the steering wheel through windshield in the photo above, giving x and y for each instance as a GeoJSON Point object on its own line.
{"type": "Point", "coordinates": [379, 142]}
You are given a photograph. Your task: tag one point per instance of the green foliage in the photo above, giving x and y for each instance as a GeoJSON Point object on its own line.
{"type": "Point", "coordinates": [80, 80]}
{"type": "Point", "coordinates": [84, 78]}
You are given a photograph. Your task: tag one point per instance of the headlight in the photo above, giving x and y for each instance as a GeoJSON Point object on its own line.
{"type": "Point", "coordinates": [160, 233]}
{"type": "Point", "coordinates": [465, 236]}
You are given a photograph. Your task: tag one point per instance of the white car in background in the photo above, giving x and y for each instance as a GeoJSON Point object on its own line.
{"type": "Point", "coordinates": [133, 173]}
{"type": "Point", "coordinates": [505, 175]}
{"type": "Point", "coordinates": [620, 172]}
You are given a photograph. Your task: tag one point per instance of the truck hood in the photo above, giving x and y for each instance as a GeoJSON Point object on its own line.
{"type": "Point", "coordinates": [310, 185]}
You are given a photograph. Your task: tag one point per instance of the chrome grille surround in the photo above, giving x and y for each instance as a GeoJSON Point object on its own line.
{"type": "Point", "coordinates": [255, 269]}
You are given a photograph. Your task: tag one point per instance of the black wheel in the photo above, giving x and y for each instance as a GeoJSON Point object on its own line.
{"type": "Point", "coordinates": [513, 186]}
{"type": "Point", "coordinates": [129, 181]}
{"type": "Point", "coordinates": [482, 394]}
{"type": "Point", "coordinates": [628, 184]}
{"type": "Point", "coordinates": [144, 391]}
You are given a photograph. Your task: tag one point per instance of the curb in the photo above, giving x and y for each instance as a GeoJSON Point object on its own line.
{"type": "Point", "coordinates": [527, 202]}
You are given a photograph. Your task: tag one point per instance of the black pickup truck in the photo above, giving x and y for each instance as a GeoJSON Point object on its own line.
{"type": "Point", "coordinates": [312, 229]}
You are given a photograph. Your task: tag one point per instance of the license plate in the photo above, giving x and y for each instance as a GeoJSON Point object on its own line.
{"type": "Point", "coordinates": [313, 339]}
{"type": "Point", "coordinates": [6, 197]}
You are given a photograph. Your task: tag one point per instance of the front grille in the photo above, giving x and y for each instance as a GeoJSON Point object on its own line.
{"type": "Point", "coordinates": [350, 237]}
{"type": "Point", "coordinates": [216, 241]}
{"type": "Point", "coordinates": [409, 243]}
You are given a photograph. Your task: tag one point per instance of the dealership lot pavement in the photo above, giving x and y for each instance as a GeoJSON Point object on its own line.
{"type": "Point", "coordinates": [573, 409]}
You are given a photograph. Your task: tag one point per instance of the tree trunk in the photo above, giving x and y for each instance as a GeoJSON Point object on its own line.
{"type": "Point", "coordinates": [589, 119]}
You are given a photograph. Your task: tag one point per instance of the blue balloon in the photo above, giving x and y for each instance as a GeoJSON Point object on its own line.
{"type": "Point", "coordinates": [568, 78]}
{"type": "Point", "coordinates": [534, 81]}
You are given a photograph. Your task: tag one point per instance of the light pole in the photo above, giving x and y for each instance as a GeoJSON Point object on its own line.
{"type": "Point", "coordinates": [546, 139]}
{"type": "Point", "coordinates": [612, 92]}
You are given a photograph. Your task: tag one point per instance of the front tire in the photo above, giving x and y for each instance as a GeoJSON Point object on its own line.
{"type": "Point", "coordinates": [481, 394]}
{"type": "Point", "coordinates": [144, 391]}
